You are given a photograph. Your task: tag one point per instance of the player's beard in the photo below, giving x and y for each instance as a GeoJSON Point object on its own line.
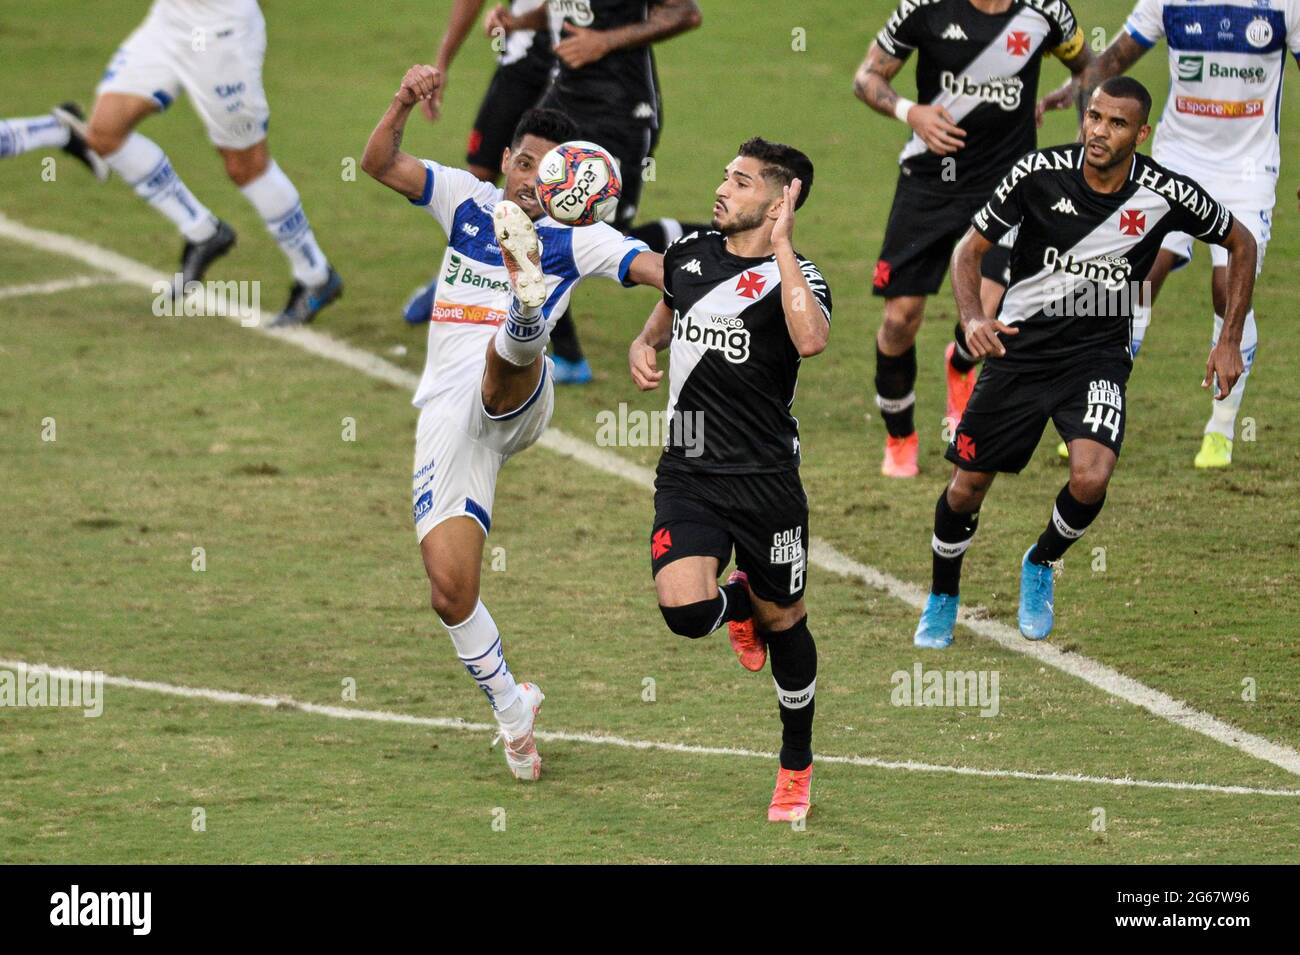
{"type": "Point", "coordinates": [1116, 158]}
{"type": "Point", "coordinates": [739, 223]}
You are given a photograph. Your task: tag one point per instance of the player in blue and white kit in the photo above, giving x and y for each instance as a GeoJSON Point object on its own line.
{"type": "Point", "coordinates": [1220, 126]}
{"type": "Point", "coordinates": [488, 390]}
{"type": "Point", "coordinates": [213, 51]}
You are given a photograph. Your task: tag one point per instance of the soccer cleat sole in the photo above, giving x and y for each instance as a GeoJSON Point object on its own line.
{"type": "Point", "coordinates": [516, 235]}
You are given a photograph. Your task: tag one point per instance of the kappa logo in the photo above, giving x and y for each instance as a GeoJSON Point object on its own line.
{"type": "Point", "coordinates": [693, 266]}
{"type": "Point", "coordinates": [1132, 222]}
{"type": "Point", "coordinates": [750, 284]}
{"type": "Point", "coordinates": [1065, 205]}
{"type": "Point", "coordinates": [1018, 43]}
{"type": "Point", "coordinates": [953, 32]}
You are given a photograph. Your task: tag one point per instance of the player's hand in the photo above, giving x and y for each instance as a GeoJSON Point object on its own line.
{"type": "Point", "coordinates": [581, 46]}
{"type": "Point", "coordinates": [982, 336]}
{"type": "Point", "coordinates": [1059, 98]}
{"type": "Point", "coordinates": [936, 127]}
{"type": "Point", "coordinates": [498, 22]}
{"type": "Point", "coordinates": [643, 361]}
{"type": "Point", "coordinates": [1223, 368]}
{"type": "Point", "coordinates": [783, 229]}
{"type": "Point", "coordinates": [421, 82]}
{"type": "Point", "coordinates": [432, 107]}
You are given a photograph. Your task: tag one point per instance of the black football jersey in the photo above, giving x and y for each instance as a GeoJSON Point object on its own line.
{"type": "Point", "coordinates": [983, 68]}
{"type": "Point", "coordinates": [732, 366]}
{"type": "Point", "coordinates": [1080, 257]}
{"type": "Point", "coordinates": [623, 86]}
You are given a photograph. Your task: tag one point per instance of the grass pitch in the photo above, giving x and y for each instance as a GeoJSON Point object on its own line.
{"type": "Point", "coordinates": [174, 434]}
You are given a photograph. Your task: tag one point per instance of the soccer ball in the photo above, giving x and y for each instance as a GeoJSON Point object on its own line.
{"type": "Point", "coordinates": [578, 184]}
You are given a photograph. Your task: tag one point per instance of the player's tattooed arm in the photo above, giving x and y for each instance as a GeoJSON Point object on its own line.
{"type": "Point", "coordinates": [1224, 365]}
{"type": "Point", "coordinates": [665, 19]}
{"type": "Point", "coordinates": [643, 355]}
{"type": "Point", "coordinates": [1122, 53]}
{"type": "Point", "coordinates": [980, 330]}
{"type": "Point", "coordinates": [383, 159]}
{"type": "Point", "coordinates": [809, 328]}
{"type": "Point", "coordinates": [933, 124]}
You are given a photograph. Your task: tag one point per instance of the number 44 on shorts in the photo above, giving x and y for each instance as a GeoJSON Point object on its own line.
{"type": "Point", "coordinates": [1105, 407]}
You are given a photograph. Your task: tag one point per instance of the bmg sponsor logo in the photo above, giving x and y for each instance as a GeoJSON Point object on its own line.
{"type": "Point", "coordinates": [721, 333]}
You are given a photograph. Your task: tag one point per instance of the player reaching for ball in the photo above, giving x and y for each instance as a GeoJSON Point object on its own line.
{"type": "Point", "coordinates": [741, 309]}
{"type": "Point", "coordinates": [487, 391]}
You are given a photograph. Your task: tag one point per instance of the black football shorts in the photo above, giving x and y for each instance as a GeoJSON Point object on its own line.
{"type": "Point", "coordinates": [925, 225]}
{"type": "Point", "coordinates": [763, 516]}
{"type": "Point", "coordinates": [1009, 410]}
{"type": "Point", "coordinates": [511, 93]}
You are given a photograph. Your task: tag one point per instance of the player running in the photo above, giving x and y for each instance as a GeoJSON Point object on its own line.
{"type": "Point", "coordinates": [487, 392]}
{"type": "Point", "coordinates": [213, 49]}
{"type": "Point", "coordinates": [1091, 216]}
{"type": "Point", "coordinates": [1220, 126]}
{"type": "Point", "coordinates": [976, 75]}
{"type": "Point", "coordinates": [741, 309]}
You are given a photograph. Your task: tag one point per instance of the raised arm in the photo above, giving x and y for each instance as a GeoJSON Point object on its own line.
{"type": "Point", "coordinates": [383, 158]}
{"type": "Point", "coordinates": [1122, 53]}
{"type": "Point", "coordinates": [933, 124]}
{"type": "Point", "coordinates": [665, 19]}
{"type": "Point", "coordinates": [1224, 364]}
{"type": "Point", "coordinates": [809, 328]}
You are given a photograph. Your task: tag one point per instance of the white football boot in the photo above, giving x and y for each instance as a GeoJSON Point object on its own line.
{"type": "Point", "coordinates": [520, 747]}
{"type": "Point", "coordinates": [522, 252]}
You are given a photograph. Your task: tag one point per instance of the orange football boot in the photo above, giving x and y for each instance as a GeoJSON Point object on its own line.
{"type": "Point", "coordinates": [900, 456]}
{"type": "Point", "coordinates": [792, 797]}
{"type": "Point", "coordinates": [960, 385]}
{"type": "Point", "coordinates": [751, 651]}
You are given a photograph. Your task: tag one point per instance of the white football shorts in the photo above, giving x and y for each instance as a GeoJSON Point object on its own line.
{"type": "Point", "coordinates": [218, 65]}
{"type": "Point", "coordinates": [459, 449]}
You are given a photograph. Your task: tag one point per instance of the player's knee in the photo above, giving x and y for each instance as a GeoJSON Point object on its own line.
{"type": "Point", "coordinates": [1088, 483]}
{"type": "Point", "coordinates": [903, 318]}
{"type": "Point", "coordinates": [103, 139]}
{"type": "Point", "coordinates": [452, 600]}
{"type": "Point", "coordinates": [245, 165]}
{"type": "Point", "coordinates": [692, 620]}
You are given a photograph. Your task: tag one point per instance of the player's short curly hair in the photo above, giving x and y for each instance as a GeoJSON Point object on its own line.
{"type": "Point", "coordinates": [782, 163]}
{"type": "Point", "coordinates": [1126, 87]}
{"type": "Point", "coordinates": [549, 124]}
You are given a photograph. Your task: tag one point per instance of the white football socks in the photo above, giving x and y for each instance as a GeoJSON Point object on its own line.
{"type": "Point", "coordinates": [522, 336]}
{"type": "Point", "coordinates": [145, 167]}
{"type": "Point", "coordinates": [274, 197]}
{"type": "Point", "coordinates": [34, 132]}
{"type": "Point", "coordinates": [478, 644]}
{"type": "Point", "coordinates": [1223, 414]}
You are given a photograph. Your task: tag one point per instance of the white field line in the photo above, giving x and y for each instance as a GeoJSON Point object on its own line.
{"type": "Point", "coordinates": [57, 285]}
{"type": "Point", "coordinates": [821, 553]}
{"type": "Point", "coordinates": [600, 739]}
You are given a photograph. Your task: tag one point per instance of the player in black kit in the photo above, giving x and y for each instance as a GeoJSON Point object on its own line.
{"type": "Point", "coordinates": [741, 309]}
{"type": "Point", "coordinates": [605, 80]}
{"type": "Point", "coordinates": [1091, 217]}
{"type": "Point", "coordinates": [977, 71]}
